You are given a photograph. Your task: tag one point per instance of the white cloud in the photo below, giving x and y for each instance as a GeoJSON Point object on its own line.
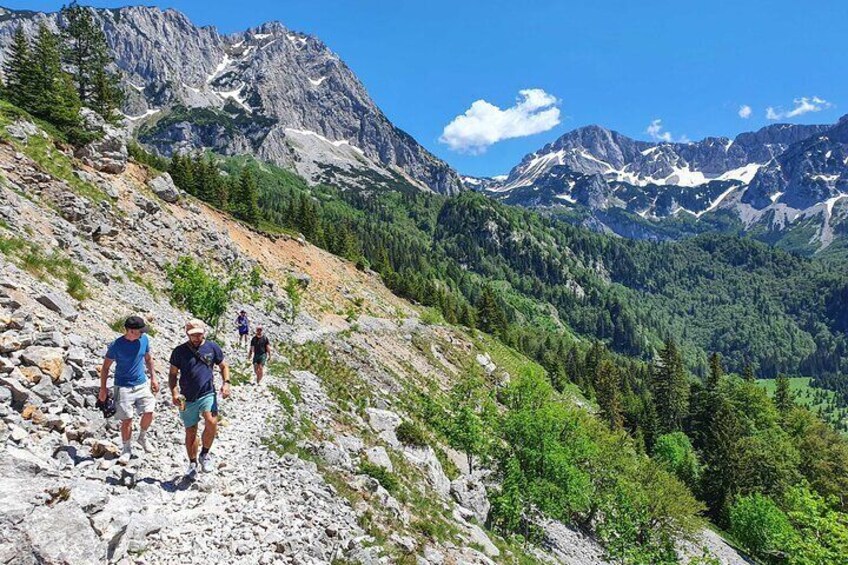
{"type": "Point", "coordinates": [745, 111]}
{"type": "Point", "coordinates": [655, 130]}
{"type": "Point", "coordinates": [803, 106]}
{"type": "Point", "coordinates": [484, 124]}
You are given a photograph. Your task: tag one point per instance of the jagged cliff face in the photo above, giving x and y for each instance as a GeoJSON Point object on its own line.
{"type": "Point", "coordinates": [775, 180]}
{"type": "Point", "coordinates": [272, 92]}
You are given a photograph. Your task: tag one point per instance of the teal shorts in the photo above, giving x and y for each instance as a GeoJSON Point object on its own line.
{"type": "Point", "coordinates": [260, 359]}
{"type": "Point", "coordinates": [191, 415]}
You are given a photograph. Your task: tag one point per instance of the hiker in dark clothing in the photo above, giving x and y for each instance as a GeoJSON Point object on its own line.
{"type": "Point", "coordinates": [194, 362]}
{"type": "Point", "coordinates": [243, 325]}
{"type": "Point", "coordinates": [259, 353]}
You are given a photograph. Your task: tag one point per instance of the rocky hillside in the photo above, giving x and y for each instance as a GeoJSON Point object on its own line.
{"type": "Point", "coordinates": [321, 463]}
{"type": "Point", "coordinates": [783, 178]}
{"type": "Point", "coordinates": [280, 95]}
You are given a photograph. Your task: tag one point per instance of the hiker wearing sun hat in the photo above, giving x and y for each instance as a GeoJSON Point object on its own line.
{"type": "Point", "coordinates": [194, 362]}
{"type": "Point", "coordinates": [133, 393]}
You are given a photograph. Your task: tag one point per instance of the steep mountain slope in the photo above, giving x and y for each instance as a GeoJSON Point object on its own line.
{"type": "Point", "coordinates": [272, 92]}
{"type": "Point", "coordinates": [783, 182]}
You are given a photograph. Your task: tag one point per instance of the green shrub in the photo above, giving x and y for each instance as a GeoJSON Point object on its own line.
{"type": "Point", "coordinates": [758, 523]}
{"type": "Point", "coordinates": [295, 294]}
{"type": "Point", "coordinates": [203, 294]}
{"type": "Point", "coordinates": [675, 454]}
{"type": "Point", "coordinates": [410, 434]}
{"type": "Point", "coordinates": [144, 157]}
{"type": "Point", "coordinates": [382, 475]}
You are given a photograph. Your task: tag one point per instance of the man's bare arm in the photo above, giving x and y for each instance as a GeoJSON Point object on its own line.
{"type": "Point", "coordinates": [151, 370]}
{"type": "Point", "coordinates": [172, 384]}
{"type": "Point", "coordinates": [225, 376]}
{"type": "Point", "coordinates": [104, 375]}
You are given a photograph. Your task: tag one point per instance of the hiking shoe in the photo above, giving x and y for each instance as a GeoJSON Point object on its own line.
{"type": "Point", "coordinates": [192, 470]}
{"type": "Point", "coordinates": [147, 444]}
{"type": "Point", "coordinates": [206, 463]}
{"type": "Point", "coordinates": [126, 455]}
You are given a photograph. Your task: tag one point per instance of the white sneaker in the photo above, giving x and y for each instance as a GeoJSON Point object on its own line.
{"type": "Point", "coordinates": [146, 444]}
{"type": "Point", "coordinates": [192, 470]}
{"type": "Point", "coordinates": [206, 463]}
{"type": "Point", "coordinates": [126, 455]}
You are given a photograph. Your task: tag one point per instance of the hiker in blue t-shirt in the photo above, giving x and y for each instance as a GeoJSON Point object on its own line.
{"type": "Point", "coordinates": [133, 393]}
{"type": "Point", "coordinates": [243, 325]}
{"type": "Point", "coordinates": [194, 362]}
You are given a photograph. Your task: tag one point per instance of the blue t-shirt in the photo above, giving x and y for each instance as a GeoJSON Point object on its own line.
{"type": "Point", "coordinates": [196, 376]}
{"type": "Point", "coordinates": [129, 360]}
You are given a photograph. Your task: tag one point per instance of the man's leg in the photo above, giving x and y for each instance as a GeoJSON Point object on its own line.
{"type": "Point", "coordinates": [191, 443]}
{"type": "Point", "coordinates": [260, 372]}
{"type": "Point", "coordinates": [210, 427]}
{"type": "Point", "coordinates": [126, 429]}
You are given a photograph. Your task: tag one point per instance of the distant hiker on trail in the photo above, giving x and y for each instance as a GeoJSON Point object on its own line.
{"type": "Point", "coordinates": [243, 325]}
{"type": "Point", "coordinates": [259, 353]}
{"type": "Point", "coordinates": [133, 393]}
{"type": "Point", "coordinates": [194, 361]}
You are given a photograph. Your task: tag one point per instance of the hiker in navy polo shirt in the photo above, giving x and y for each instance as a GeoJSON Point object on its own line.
{"type": "Point", "coordinates": [133, 392]}
{"type": "Point", "coordinates": [194, 361]}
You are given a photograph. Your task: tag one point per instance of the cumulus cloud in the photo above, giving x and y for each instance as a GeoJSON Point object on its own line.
{"type": "Point", "coordinates": [745, 111]}
{"type": "Point", "coordinates": [484, 124]}
{"type": "Point", "coordinates": [655, 130]}
{"type": "Point", "coordinates": [803, 106]}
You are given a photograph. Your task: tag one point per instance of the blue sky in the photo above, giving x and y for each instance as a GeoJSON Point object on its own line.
{"type": "Point", "coordinates": [622, 65]}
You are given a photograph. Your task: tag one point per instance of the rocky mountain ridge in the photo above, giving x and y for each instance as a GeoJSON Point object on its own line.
{"type": "Point", "coordinates": [779, 176]}
{"type": "Point", "coordinates": [280, 95]}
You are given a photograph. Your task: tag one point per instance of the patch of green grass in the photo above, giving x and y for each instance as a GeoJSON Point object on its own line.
{"type": "Point", "coordinates": [341, 382]}
{"type": "Point", "coordinates": [818, 400]}
{"type": "Point", "coordinates": [284, 398]}
{"type": "Point", "coordinates": [239, 378]}
{"type": "Point", "coordinates": [77, 286]}
{"type": "Point", "coordinates": [43, 151]}
{"type": "Point", "coordinates": [31, 258]}
{"type": "Point", "coordinates": [141, 281]}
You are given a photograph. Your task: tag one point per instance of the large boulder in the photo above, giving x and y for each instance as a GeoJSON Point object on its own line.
{"type": "Point", "coordinates": [62, 533]}
{"type": "Point", "coordinates": [379, 457]}
{"type": "Point", "coordinates": [470, 492]}
{"type": "Point", "coordinates": [425, 459]}
{"type": "Point", "coordinates": [48, 359]}
{"type": "Point", "coordinates": [56, 303]}
{"type": "Point", "coordinates": [163, 186]}
{"type": "Point", "coordinates": [108, 153]}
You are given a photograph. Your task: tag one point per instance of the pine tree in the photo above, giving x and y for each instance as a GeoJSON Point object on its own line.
{"type": "Point", "coordinates": [54, 97]}
{"type": "Point", "coordinates": [783, 398]}
{"type": "Point", "coordinates": [490, 316]}
{"type": "Point", "coordinates": [19, 72]}
{"type": "Point", "coordinates": [670, 389]}
{"type": "Point", "coordinates": [608, 393]}
{"type": "Point", "coordinates": [716, 372]}
{"type": "Point", "coordinates": [721, 458]}
{"type": "Point", "coordinates": [748, 373]}
{"type": "Point", "coordinates": [86, 52]}
{"type": "Point", "coordinates": [249, 196]}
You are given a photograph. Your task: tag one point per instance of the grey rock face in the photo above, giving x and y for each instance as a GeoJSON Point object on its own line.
{"type": "Point", "coordinates": [278, 94]}
{"type": "Point", "coordinates": [109, 153]}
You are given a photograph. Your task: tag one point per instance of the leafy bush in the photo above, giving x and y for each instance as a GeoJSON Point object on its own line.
{"type": "Point", "coordinates": [201, 293]}
{"type": "Point", "coordinates": [758, 523]}
{"type": "Point", "coordinates": [410, 434]}
{"type": "Point", "coordinates": [295, 294]}
{"type": "Point", "coordinates": [675, 454]}
{"type": "Point", "coordinates": [382, 475]}
{"type": "Point", "coordinates": [77, 286]}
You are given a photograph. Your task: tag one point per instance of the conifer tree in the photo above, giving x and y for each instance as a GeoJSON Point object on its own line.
{"type": "Point", "coordinates": [783, 398]}
{"type": "Point", "coordinates": [249, 196]}
{"type": "Point", "coordinates": [86, 52]}
{"type": "Point", "coordinates": [670, 389]}
{"type": "Point", "coordinates": [490, 316]}
{"type": "Point", "coordinates": [18, 70]}
{"type": "Point", "coordinates": [608, 393]}
{"type": "Point", "coordinates": [716, 372]}
{"type": "Point", "coordinates": [748, 373]}
{"type": "Point", "coordinates": [54, 97]}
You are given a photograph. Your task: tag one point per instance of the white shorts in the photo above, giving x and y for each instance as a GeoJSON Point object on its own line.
{"type": "Point", "coordinates": [131, 400]}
